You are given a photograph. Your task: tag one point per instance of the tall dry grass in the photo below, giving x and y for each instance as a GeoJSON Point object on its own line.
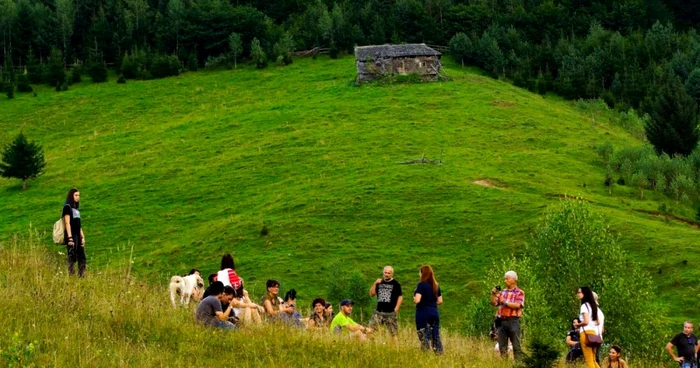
{"type": "Point", "coordinates": [111, 320]}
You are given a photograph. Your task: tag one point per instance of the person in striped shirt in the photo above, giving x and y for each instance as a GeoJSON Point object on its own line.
{"type": "Point", "coordinates": [510, 302]}
{"type": "Point", "coordinates": [227, 274]}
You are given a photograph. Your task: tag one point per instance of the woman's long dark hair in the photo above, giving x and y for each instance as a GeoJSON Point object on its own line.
{"type": "Point", "coordinates": [588, 298]}
{"type": "Point", "coordinates": [227, 262]}
{"type": "Point", "coordinates": [572, 322]}
{"type": "Point", "coordinates": [70, 201]}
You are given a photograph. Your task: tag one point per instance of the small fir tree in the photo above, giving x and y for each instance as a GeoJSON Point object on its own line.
{"type": "Point", "coordinates": [96, 66]}
{"type": "Point", "coordinates": [284, 48]}
{"type": "Point", "coordinates": [673, 127]}
{"type": "Point", "coordinates": [55, 74]}
{"type": "Point", "coordinates": [258, 54]}
{"type": "Point", "coordinates": [235, 44]}
{"type": "Point", "coordinates": [23, 83]}
{"type": "Point", "coordinates": [22, 160]}
{"type": "Point", "coordinates": [10, 90]}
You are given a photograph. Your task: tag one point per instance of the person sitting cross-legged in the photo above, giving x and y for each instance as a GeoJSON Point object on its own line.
{"type": "Point", "coordinates": [209, 311]}
{"type": "Point", "coordinates": [342, 323]}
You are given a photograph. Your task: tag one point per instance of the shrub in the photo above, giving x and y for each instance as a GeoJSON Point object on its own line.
{"type": "Point", "coordinates": [542, 355]}
{"type": "Point", "coordinates": [121, 79]}
{"type": "Point", "coordinates": [192, 63]}
{"type": "Point", "coordinates": [130, 67]}
{"type": "Point", "coordinates": [10, 90]}
{"type": "Point", "coordinates": [23, 84]}
{"type": "Point", "coordinates": [163, 66]}
{"type": "Point", "coordinates": [284, 48]}
{"type": "Point", "coordinates": [76, 74]}
{"type": "Point", "coordinates": [258, 54]}
{"type": "Point", "coordinates": [97, 70]}
{"type": "Point", "coordinates": [351, 285]}
{"type": "Point", "coordinates": [218, 62]}
{"type": "Point", "coordinates": [606, 151]}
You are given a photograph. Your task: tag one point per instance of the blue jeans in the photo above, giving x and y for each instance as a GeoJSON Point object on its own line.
{"type": "Point", "coordinates": [428, 326]}
{"type": "Point", "coordinates": [226, 325]}
{"type": "Point", "coordinates": [688, 365]}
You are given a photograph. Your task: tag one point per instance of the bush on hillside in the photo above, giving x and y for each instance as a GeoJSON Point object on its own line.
{"type": "Point", "coordinates": [23, 84]}
{"type": "Point", "coordinates": [551, 269]}
{"type": "Point", "coordinates": [222, 61]}
{"type": "Point", "coordinates": [258, 54]}
{"type": "Point", "coordinates": [345, 284]}
{"type": "Point", "coordinates": [76, 74]}
{"type": "Point", "coordinates": [163, 66]}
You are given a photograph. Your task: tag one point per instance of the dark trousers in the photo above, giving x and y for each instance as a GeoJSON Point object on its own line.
{"type": "Point", "coordinates": [428, 326]}
{"type": "Point", "coordinates": [76, 253]}
{"type": "Point", "coordinates": [509, 330]}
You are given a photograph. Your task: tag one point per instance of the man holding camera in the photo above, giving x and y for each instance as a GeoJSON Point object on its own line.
{"type": "Point", "coordinates": [510, 303]}
{"type": "Point", "coordinates": [389, 299]}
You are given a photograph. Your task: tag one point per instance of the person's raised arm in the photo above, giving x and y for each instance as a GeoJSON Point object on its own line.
{"type": "Point", "coordinates": [494, 297]}
{"type": "Point", "coordinates": [373, 289]}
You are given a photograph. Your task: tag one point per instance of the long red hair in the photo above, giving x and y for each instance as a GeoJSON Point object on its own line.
{"type": "Point", "coordinates": [427, 275]}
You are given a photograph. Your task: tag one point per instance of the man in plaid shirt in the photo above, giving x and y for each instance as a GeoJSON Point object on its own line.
{"type": "Point", "coordinates": [510, 303]}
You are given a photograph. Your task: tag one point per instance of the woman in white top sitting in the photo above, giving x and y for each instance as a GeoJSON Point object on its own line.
{"type": "Point", "coordinates": [246, 311]}
{"type": "Point", "coordinates": [589, 324]}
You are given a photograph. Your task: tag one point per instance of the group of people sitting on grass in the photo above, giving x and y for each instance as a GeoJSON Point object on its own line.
{"type": "Point", "coordinates": [226, 304]}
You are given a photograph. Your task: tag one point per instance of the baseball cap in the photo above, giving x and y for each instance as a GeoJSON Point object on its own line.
{"type": "Point", "coordinates": [346, 302]}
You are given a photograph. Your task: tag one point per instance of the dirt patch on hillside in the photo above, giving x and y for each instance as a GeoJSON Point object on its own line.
{"type": "Point", "coordinates": [567, 197]}
{"type": "Point", "coordinates": [502, 103]}
{"type": "Point", "coordinates": [489, 183]}
{"type": "Point", "coordinates": [669, 216]}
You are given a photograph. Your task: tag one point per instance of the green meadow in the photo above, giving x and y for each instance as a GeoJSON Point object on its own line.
{"type": "Point", "coordinates": [175, 172]}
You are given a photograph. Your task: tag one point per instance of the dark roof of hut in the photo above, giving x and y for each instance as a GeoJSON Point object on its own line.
{"type": "Point", "coordinates": [392, 51]}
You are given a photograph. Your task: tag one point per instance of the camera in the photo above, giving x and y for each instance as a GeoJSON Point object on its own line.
{"type": "Point", "coordinates": [498, 287]}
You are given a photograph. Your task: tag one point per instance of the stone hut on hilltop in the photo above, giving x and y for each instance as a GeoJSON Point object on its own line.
{"type": "Point", "coordinates": [385, 60]}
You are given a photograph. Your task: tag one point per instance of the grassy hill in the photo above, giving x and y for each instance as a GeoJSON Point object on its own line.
{"type": "Point", "coordinates": [188, 168]}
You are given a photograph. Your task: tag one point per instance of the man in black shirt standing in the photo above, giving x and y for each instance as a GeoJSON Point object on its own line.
{"type": "Point", "coordinates": [687, 347]}
{"type": "Point", "coordinates": [389, 299]}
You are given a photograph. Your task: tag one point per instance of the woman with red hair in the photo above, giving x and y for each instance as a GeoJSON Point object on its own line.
{"type": "Point", "coordinates": [427, 298]}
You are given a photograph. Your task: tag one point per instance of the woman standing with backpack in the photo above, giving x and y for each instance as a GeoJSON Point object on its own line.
{"type": "Point", "coordinates": [73, 233]}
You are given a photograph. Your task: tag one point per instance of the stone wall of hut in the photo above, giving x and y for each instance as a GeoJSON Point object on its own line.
{"type": "Point", "coordinates": [426, 66]}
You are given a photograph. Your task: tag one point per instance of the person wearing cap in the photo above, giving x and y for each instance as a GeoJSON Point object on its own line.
{"type": "Point", "coordinates": [342, 323]}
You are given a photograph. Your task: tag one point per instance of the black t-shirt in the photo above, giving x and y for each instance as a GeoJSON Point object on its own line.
{"type": "Point", "coordinates": [388, 294]}
{"type": "Point", "coordinates": [74, 214]}
{"type": "Point", "coordinates": [574, 335]}
{"type": "Point", "coordinates": [428, 299]}
{"type": "Point", "coordinates": [685, 345]}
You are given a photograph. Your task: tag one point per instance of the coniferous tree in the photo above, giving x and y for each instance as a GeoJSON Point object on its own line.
{"type": "Point", "coordinates": [673, 127]}
{"type": "Point", "coordinates": [55, 73]}
{"type": "Point", "coordinates": [692, 85]}
{"type": "Point", "coordinates": [96, 67]}
{"type": "Point", "coordinates": [23, 83]}
{"type": "Point", "coordinates": [284, 48]}
{"type": "Point", "coordinates": [22, 159]}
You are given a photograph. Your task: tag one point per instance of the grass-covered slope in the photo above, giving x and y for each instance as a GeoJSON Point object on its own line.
{"type": "Point", "coordinates": [187, 168]}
